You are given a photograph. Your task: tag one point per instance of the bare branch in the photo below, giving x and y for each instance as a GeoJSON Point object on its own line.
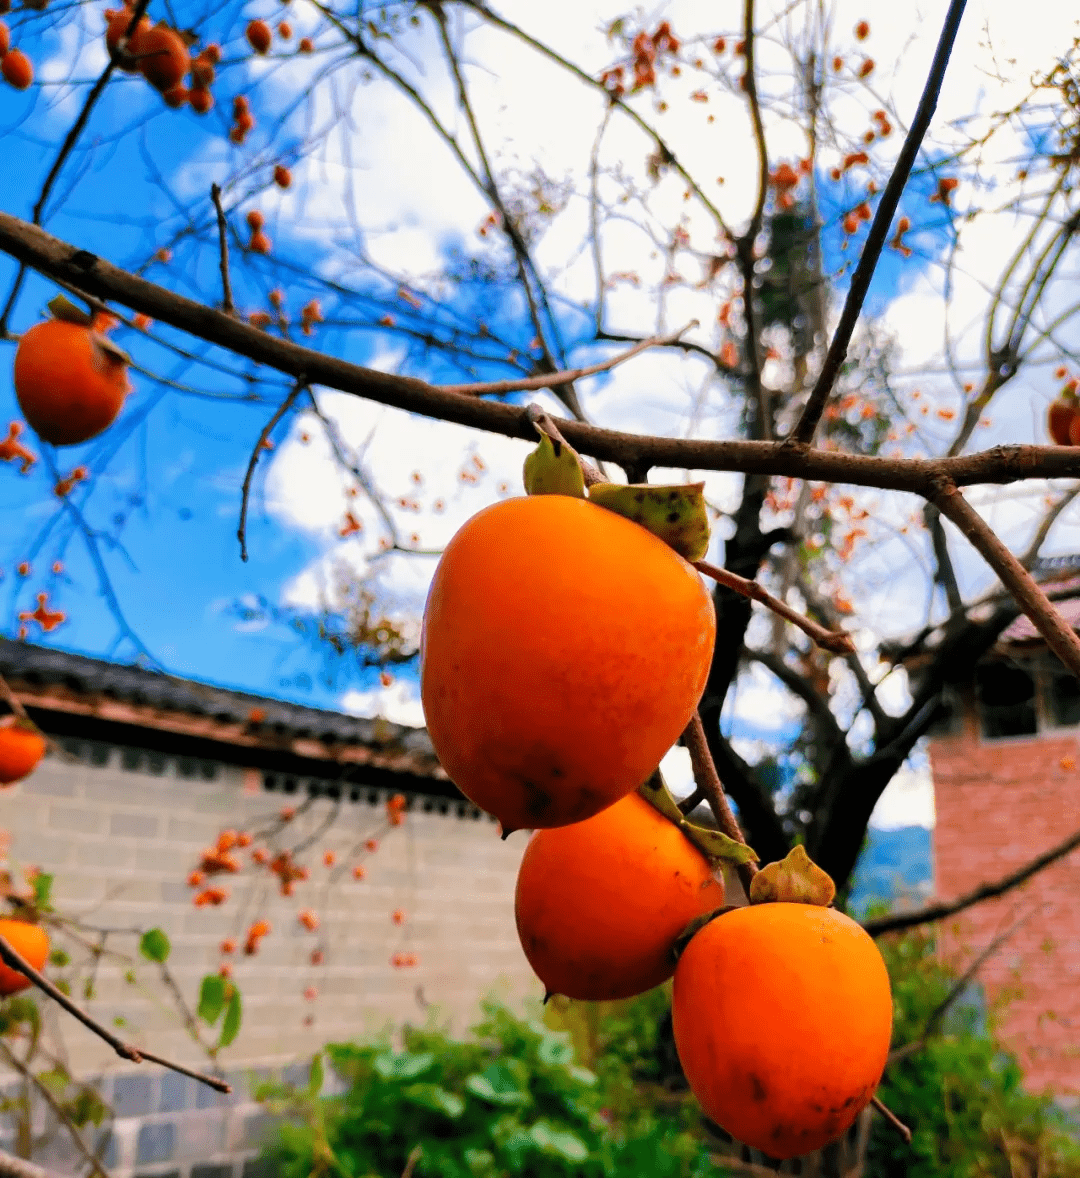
{"type": "Point", "coordinates": [838, 641]}
{"type": "Point", "coordinates": [985, 891]}
{"type": "Point", "coordinates": [806, 427]}
{"type": "Point", "coordinates": [892, 1118]}
{"type": "Point", "coordinates": [1059, 635]}
{"type": "Point", "coordinates": [223, 251]}
{"type": "Point", "coordinates": [279, 413]}
{"type": "Point", "coordinates": [532, 383]}
{"type": "Point", "coordinates": [86, 272]}
{"type": "Point", "coordinates": [14, 960]}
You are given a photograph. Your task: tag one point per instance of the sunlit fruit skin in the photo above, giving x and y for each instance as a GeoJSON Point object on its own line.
{"type": "Point", "coordinates": [31, 943]}
{"type": "Point", "coordinates": [20, 751]}
{"type": "Point", "coordinates": [600, 903]}
{"type": "Point", "coordinates": [164, 58]}
{"type": "Point", "coordinates": [782, 1015]}
{"type": "Point", "coordinates": [563, 651]}
{"type": "Point", "coordinates": [68, 387]}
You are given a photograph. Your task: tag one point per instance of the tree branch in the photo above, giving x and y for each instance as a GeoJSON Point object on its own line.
{"type": "Point", "coordinates": [223, 251]}
{"type": "Point", "coordinates": [279, 413]}
{"type": "Point", "coordinates": [85, 272]}
{"type": "Point", "coordinates": [985, 891]}
{"type": "Point", "coordinates": [805, 428]}
{"type": "Point", "coordinates": [14, 960]}
{"type": "Point", "coordinates": [1059, 635]}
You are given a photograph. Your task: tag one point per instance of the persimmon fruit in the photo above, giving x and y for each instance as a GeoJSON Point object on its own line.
{"type": "Point", "coordinates": [31, 942]}
{"type": "Point", "coordinates": [202, 101]}
{"type": "Point", "coordinates": [563, 650]}
{"type": "Point", "coordinates": [119, 21]}
{"type": "Point", "coordinates": [70, 385]}
{"type": "Point", "coordinates": [21, 748]}
{"type": "Point", "coordinates": [259, 36]}
{"type": "Point", "coordinates": [16, 69]}
{"type": "Point", "coordinates": [599, 904]}
{"type": "Point", "coordinates": [782, 1015]}
{"type": "Point", "coordinates": [5, 38]}
{"type": "Point", "coordinates": [163, 58]}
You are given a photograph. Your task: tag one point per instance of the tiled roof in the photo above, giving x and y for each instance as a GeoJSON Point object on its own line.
{"type": "Point", "coordinates": [1065, 582]}
{"type": "Point", "coordinates": [57, 681]}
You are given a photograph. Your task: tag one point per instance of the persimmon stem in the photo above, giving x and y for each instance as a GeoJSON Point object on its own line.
{"type": "Point", "coordinates": [837, 641]}
{"type": "Point", "coordinates": [892, 1118]}
{"type": "Point", "coordinates": [14, 960]}
{"type": "Point", "coordinates": [708, 782]}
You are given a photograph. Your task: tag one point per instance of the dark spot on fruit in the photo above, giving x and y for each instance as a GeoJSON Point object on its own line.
{"type": "Point", "coordinates": [672, 517]}
{"type": "Point", "coordinates": [673, 496]}
{"type": "Point", "coordinates": [639, 497]}
{"type": "Point", "coordinates": [757, 1088]}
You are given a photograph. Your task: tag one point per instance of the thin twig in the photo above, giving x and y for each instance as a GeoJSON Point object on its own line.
{"type": "Point", "coordinates": [16, 961]}
{"type": "Point", "coordinates": [282, 409]}
{"type": "Point", "coordinates": [803, 433]}
{"type": "Point", "coordinates": [899, 921]}
{"type": "Point", "coordinates": [1059, 635]}
{"type": "Point", "coordinates": [708, 781]}
{"type": "Point", "coordinates": [415, 1154]}
{"type": "Point", "coordinates": [892, 1118]}
{"type": "Point", "coordinates": [838, 641]}
{"type": "Point", "coordinates": [531, 383]}
{"type": "Point", "coordinates": [223, 251]}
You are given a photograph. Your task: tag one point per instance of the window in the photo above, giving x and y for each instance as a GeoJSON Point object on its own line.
{"type": "Point", "coordinates": [1006, 700]}
{"type": "Point", "coordinates": [1062, 698]}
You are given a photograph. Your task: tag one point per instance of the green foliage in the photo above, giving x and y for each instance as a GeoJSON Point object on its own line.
{"type": "Point", "coordinates": [509, 1100]}
{"type": "Point", "coordinates": [961, 1093]}
{"type": "Point", "coordinates": [154, 945]}
{"type": "Point", "coordinates": [217, 995]}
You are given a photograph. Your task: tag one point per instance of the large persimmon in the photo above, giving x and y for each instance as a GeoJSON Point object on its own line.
{"type": "Point", "coordinates": [599, 904]}
{"type": "Point", "coordinates": [31, 942]}
{"type": "Point", "coordinates": [163, 57]}
{"type": "Point", "coordinates": [21, 748]}
{"type": "Point", "coordinates": [563, 650]}
{"type": "Point", "coordinates": [782, 1016]}
{"type": "Point", "coordinates": [69, 381]}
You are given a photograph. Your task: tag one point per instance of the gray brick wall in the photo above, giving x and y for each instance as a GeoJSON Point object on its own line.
{"type": "Point", "coordinates": [120, 832]}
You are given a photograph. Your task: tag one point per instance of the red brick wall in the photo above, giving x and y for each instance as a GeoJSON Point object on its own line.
{"type": "Point", "coordinates": [999, 803]}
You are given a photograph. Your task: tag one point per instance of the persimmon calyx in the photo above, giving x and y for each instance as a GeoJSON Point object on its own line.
{"type": "Point", "coordinates": [61, 307]}
{"type": "Point", "coordinates": [553, 468]}
{"type": "Point", "coordinates": [716, 846]}
{"type": "Point", "coordinates": [795, 879]}
{"type": "Point", "coordinates": [676, 514]}
{"type": "Point", "coordinates": [694, 927]}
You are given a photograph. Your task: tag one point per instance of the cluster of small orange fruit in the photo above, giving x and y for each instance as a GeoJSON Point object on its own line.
{"type": "Point", "coordinates": [162, 55]}
{"type": "Point", "coordinates": [15, 66]}
{"type": "Point", "coordinates": [564, 649]}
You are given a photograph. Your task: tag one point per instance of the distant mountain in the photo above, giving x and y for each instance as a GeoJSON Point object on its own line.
{"type": "Point", "coordinates": [896, 865]}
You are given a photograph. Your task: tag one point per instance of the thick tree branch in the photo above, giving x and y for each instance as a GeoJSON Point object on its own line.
{"type": "Point", "coordinates": [985, 891]}
{"type": "Point", "coordinates": [86, 272]}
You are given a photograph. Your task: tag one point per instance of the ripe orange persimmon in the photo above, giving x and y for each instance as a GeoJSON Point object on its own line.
{"type": "Point", "coordinates": [164, 59]}
{"type": "Point", "coordinates": [31, 943]}
{"type": "Point", "coordinates": [1060, 417]}
{"type": "Point", "coordinates": [5, 38]}
{"type": "Point", "coordinates": [282, 176]}
{"type": "Point", "coordinates": [69, 386]}
{"type": "Point", "coordinates": [21, 748]}
{"type": "Point", "coordinates": [16, 69]}
{"type": "Point", "coordinates": [119, 20]}
{"type": "Point", "coordinates": [259, 36]}
{"type": "Point", "coordinates": [202, 101]}
{"type": "Point", "coordinates": [782, 1016]}
{"type": "Point", "coordinates": [563, 650]}
{"type": "Point", "coordinates": [600, 903]}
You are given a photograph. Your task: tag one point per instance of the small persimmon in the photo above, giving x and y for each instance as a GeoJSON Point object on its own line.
{"type": "Point", "coordinates": [202, 101]}
{"type": "Point", "coordinates": [600, 903]}
{"type": "Point", "coordinates": [31, 942]}
{"type": "Point", "coordinates": [1060, 417]}
{"type": "Point", "coordinates": [305, 45]}
{"type": "Point", "coordinates": [163, 58]}
{"type": "Point", "coordinates": [119, 22]}
{"type": "Point", "coordinates": [69, 383]}
{"type": "Point", "coordinates": [259, 36]}
{"type": "Point", "coordinates": [255, 220]}
{"type": "Point", "coordinates": [282, 176]}
{"type": "Point", "coordinates": [5, 38]}
{"type": "Point", "coordinates": [16, 69]}
{"type": "Point", "coordinates": [177, 97]}
{"type": "Point", "coordinates": [21, 748]}
{"type": "Point", "coordinates": [284, 30]}
{"type": "Point", "coordinates": [782, 1015]}
{"type": "Point", "coordinates": [563, 650]}
{"type": "Point", "coordinates": [202, 71]}
{"type": "Point", "coordinates": [259, 243]}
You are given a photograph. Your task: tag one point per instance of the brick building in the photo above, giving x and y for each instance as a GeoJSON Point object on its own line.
{"type": "Point", "coordinates": [1007, 786]}
{"type": "Point", "coordinates": [152, 769]}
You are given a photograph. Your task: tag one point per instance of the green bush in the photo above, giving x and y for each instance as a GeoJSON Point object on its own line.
{"type": "Point", "coordinates": [510, 1100]}
{"type": "Point", "coordinates": [960, 1092]}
